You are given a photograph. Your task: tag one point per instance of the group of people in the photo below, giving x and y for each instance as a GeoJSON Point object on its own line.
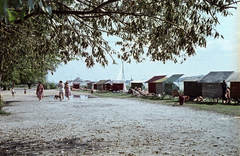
{"type": "Point", "coordinates": [63, 88]}
{"type": "Point", "coordinates": [138, 91]}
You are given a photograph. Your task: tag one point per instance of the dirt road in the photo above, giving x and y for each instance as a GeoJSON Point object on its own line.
{"type": "Point", "coordinates": [106, 126]}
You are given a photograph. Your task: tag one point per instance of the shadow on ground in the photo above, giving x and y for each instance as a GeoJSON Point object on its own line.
{"type": "Point", "coordinates": [61, 146]}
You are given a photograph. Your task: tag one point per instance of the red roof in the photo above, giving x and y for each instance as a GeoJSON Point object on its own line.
{"type": "Point", "coordinates": [155, 78]}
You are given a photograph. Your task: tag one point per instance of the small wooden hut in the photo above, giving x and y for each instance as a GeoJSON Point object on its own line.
{"type": "Point", "coordinates": [170, 85]}
{"type": "Point", "coordinates": [108, 85]}
{"type": "Point", "coordinates": [153, 86]}
{"type": "Point", "coordinates": [76, 86]}
{"type": "Point", "coordinates": [102, 85]}
{"type": "Point", "coordinates": [138, 84]}
{"type": "Point", "coordinates": [160, 85]}
{"type": "Point", "coordinates": [117, 85]}
{"type": "Point", "coordinates": [212, 83]}
{"type": "Point", "coordinates": [90, 85]}
{"type": "Point", "coordinates": [191, 86]}
{"type": "Point", "coordinates": [234, 80]}
{"type": "Point", "coordinates": [95, 86]}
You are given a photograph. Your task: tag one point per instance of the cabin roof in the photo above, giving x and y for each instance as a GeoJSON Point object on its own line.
{"type": "Point", "coordinates": [155, 78]}
{"type": "Point", "coordinates": [192, 78]}
{"type": "Point", "coordinates": [102, 81]}
{"type": "Point", "coordinates": [91, 82]}
{"type": "Point", "coordinates": [138, 81]}
{"type": "Point", "coordinates": [173, 78]}
{"type": "Point", "coordinates": [161, 80]}
{"type": "Point", "coordinates": [117, 81]}
{"type": "Point", "coordinates": [216, 77]}
{"type": "Point", "coordinates": [234, 77]}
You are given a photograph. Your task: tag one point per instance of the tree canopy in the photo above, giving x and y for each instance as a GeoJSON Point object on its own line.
{"type": "Point", "coordinates": [26, 54]}
{"type": "Point", "coordinates": [64, 29]}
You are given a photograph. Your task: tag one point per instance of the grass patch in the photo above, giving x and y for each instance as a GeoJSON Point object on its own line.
{"type": "Point", "coordinates": [113, 95]}
{"type": "Point", "coordinates": [217, 107]}
{"type": "Point", "coordinates": [208, 105]}
{"type": "Point", "coordinates": [3, 113]}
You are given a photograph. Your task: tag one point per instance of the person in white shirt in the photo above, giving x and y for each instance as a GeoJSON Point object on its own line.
{"type": "Point", "coordinates": [61, 90]}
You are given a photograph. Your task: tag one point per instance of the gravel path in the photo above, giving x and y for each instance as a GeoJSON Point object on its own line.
{"type": "Point", "coordinates": [107, 126]}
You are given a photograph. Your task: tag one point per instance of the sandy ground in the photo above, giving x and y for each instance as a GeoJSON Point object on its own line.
{"type": "Point", "coordinates": [107, 126]}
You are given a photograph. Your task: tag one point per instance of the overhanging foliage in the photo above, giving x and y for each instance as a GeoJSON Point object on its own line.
{"type": "Point", "coordinates": [169, 29]}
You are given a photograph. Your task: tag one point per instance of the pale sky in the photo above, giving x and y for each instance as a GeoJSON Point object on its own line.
{"type": "Point", "coordinates": [219, 55]}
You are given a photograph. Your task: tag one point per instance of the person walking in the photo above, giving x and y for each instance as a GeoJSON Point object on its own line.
{"type": "Point", "coordinates": [13, 92]}
{"type": "Point", "coordinates": [228, 97]}
{"type": "Point", "coordinates": [61, 90]}
{"type": "Point", "coordinates": [39, 91]}
{"type": "Point", "coordinates": [67, 90]}
{"type": "Point", "coordinates": [224, 88]}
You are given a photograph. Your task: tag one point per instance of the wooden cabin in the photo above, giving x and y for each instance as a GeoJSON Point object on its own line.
{"type": "Point", "coordinates": [160, 85]}
{"type": "Point", "coordinates": [95, 86]}
{"type": "Point", "coordinates": [138, 84]}
{"type": "Point", "coordinates": [117, 85]}
{"type": "Point", "coordinates": [101, 85]}
{"type": "Point", "coordinates": [170, 85]}
{"type": "Point", "coordinates": [212, 83]}
{"type": "Point", "coordinates": [192, 87]}
{"type": "Point", "coordinates": [76, 86]}
{"type": "Point", "coordinates": [234, 80]}
{"type": "Point", "coordinates": [90, 85]}
{"type": "Point", "coordinates": [155, 87]}
{"type": "Point", "coordinates": [108, 85]}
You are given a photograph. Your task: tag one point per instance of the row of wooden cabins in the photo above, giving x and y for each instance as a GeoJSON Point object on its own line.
{"type": "Point", "coordinates": [114, 85]}
{"type": "Point", "coordinates": [101, 85]}
{"type": "Point", "coordinates": [163, 84]}
{"type": "Point", "coordinates": [209, 85]}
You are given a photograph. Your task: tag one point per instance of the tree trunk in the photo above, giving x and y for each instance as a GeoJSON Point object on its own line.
{"type": "Point", "coordinates": [0, 92]}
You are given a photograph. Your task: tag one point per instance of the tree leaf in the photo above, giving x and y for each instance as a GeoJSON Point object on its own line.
{"type": "Point", "coordinates": [30, 5]}
{"type": "Point", "coordinates": [22, 14]}
{"type": "Point", "coordinates": [12, 15]}
{"type": "Point", "coordinates": [41, 5]}
{"type": "Point", "coordinates": [3, 7]}
{"type": "Point", "coordinates": [49, 10]}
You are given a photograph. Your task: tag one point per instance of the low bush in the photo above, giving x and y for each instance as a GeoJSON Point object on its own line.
{"type": "Point", "coordinates": [53, 86]}
{"type": "Point", "coordinates": [1, 111]}
{"type": "Point", "coordinates": [1, 104]}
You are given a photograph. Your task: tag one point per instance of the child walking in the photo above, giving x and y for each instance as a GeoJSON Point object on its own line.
{"type": "Point", "coordinates": [13, 92]}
